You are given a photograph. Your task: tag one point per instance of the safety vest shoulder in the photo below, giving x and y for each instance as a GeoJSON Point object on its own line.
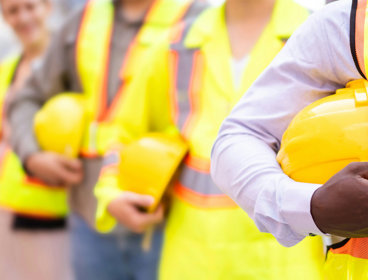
{"type": "Point", "coordinates": [93, 59]}
{"type": "Point", "coordinates": [286, 18]}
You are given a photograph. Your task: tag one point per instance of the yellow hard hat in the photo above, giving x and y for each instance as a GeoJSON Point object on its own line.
{"type": "Point", "coordinates": [148, 164]}
{"type": "Point", "coordinates": [327, 135]}
{"type": "Point", "coordinates": [59, 125]}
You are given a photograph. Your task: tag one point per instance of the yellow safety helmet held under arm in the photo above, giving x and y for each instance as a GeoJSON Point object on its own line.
{"type": "Point", "coordinates": [148, 164]}
{"type": "Point", "coordinates": [59, 125]}
{"type": "Point", "coordinates": [327, 135]}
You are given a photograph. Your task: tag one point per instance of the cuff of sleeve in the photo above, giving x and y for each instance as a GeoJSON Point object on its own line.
{"type": "Point", "coordinates": [26, 148]}
{"type": "Point", "coordinates": [105, 193]}
{"type": "Point", "coordinates": [296, 208]}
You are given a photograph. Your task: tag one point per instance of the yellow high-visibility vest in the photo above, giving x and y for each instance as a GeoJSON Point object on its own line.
{"type": "Point", "coordinates": [349, 259]}
{"type": "Point", "coordinates": [188, 84]}
{"type": "Point", "coordinates": [92, 59]}
{"type": "Point", "coordinates": [18, 192]}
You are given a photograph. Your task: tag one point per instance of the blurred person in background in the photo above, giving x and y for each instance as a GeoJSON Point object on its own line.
{"type": "Point", "coordinates": [70, 5]}
{"type": "Point", "coordinates": [96, 53]}
{"type": "Point", "coordinates": [33, 236]}
{"type": "Point", "coordinates": [190, 85]}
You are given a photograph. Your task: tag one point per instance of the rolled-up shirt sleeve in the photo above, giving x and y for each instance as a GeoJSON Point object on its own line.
{"type": "Point", "coordinates": [314, 63]}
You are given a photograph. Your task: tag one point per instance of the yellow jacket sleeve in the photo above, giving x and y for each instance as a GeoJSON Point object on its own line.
{"type": "Point", "coordinates": [146, 108]}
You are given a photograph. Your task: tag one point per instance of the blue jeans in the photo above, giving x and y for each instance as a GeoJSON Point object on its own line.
{"type": "Point", "coordinates": [112, 257]}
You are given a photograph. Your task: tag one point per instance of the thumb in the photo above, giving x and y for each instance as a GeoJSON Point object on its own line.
{"type": "Point", "coordinates": [140, 200]}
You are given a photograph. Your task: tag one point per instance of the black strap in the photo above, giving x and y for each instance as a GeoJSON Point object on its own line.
{"type": "Point", "coordinates": [26, 223]}
{"type": "Point", "coordinates": [353, 24]}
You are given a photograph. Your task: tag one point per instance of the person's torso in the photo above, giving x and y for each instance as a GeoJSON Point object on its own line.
{"type": "Point", "coordinates": [203, 221]}
{"type": "Point", "coordinates": [108, 52]}
{"type": "Point", "coordinates": [205, 92]}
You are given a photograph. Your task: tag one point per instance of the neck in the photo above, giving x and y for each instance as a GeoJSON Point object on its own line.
{"type": "Point", "coordinates": [34, 51]}
{"type": "Point", "coordinates": [245, 22]}
{"type": "Point", "coordinates": [241, 10]}
{"type": "Point", "coordinates": [135, 10]}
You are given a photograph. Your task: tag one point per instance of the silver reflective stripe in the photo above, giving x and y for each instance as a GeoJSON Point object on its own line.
{"type": "Point", "coordinates": [184, 72]}
{"type": "Point", "coordinates": [111, 159]}
{"type": "Point", "coordinates": [92, 130]}
{"type": "Point", "coordinates": [198, 181]}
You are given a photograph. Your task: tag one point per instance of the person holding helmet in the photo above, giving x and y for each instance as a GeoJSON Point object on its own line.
{"type": "Point", "coordinates": [190, 85]}
{"type": "Point", "coordinates": [33, 214]}
{"type": "Point", "coordinates": [96, 53]}
{"type": "Point", "coordinates": [326, 191]}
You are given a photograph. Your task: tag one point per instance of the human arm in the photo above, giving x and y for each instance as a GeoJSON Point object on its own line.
{"type": "Point", "coordinates": [314, 63]}
{"type": "Point", "coordinates": [145, 109]}
{"type": "Point", "coordinates": [51, 75]}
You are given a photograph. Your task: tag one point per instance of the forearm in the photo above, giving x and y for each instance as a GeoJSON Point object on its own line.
{"type": "Point", "coordinates": [246, 169]}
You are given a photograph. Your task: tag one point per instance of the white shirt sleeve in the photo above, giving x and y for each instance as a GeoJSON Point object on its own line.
{"type": "Point", "coordinates": [314, 63]}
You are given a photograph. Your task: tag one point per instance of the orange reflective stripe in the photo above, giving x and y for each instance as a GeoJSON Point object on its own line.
{"type": "Point", "coordinates": [203, 201]}
{"type": "Point", "coordinates": [85, 153]}
{"type": "Point", "coordinates": [199, 164]}
{"type": "Point", "coordinates": [102, 105]}
{"type": "Point", "coordinates": [115, 105]}
{"type": "Point", "coordinates": [357, 34]}
{"type": "Point", "coordinates": [356, 247]}
{"type": "Point", "coordinates": [36, 183]}
{"type": "Point", "coordinates": [5, 152]}
{"type": "Point", "coordinates": [194, 96]}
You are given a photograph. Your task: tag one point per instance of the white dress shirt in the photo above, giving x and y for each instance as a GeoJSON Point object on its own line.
{"type": "Point", "coordinates": [314, 63]}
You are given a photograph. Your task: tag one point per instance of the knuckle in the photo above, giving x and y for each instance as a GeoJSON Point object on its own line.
{"type": "Point", "coordinates": [353, 167]}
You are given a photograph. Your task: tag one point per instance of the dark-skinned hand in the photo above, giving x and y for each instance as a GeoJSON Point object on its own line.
{"type": "Point", "coordinates": [340, 207]}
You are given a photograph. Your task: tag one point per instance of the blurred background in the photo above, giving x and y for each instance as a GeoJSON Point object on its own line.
{"type": "Point", "coordinates": [62, 8]}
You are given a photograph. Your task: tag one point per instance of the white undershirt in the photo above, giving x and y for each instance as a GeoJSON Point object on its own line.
{"type": "Point", "coordinates": [238, 66]}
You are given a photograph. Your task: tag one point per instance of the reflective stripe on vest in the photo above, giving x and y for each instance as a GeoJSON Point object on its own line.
{"type": "Point", "coordinates": [93, 59]}
{"type": "Point", "coordinates": [18, 192]}
{"type": "Point", "coordinates": [356, 247]}
{"type": "Point", "coordinates": [195, 184]}
{"type": "Point", "coordinates": [350, 261]}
